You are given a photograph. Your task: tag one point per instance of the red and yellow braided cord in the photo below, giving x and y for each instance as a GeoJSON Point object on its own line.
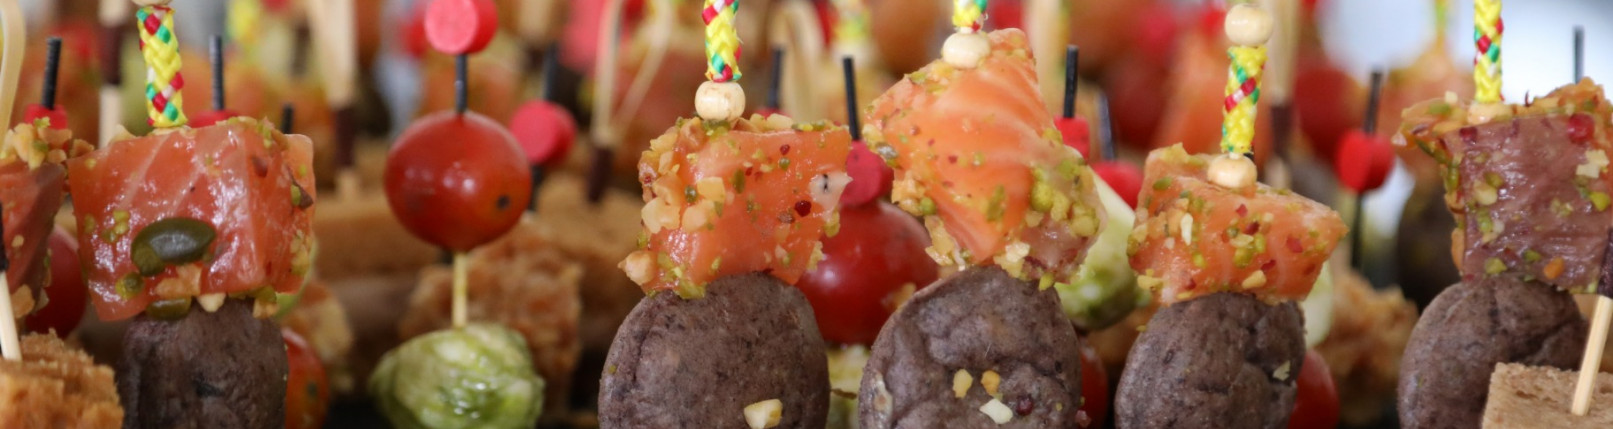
{"type": "Point", "coordinates": [160, 47]}
{"type": "Point", "coordinates": [1487, 30]}
{"type": "Point", "coordinates": [968, 15]}
{"type": "Point", "coordinates": [1242, 93]}
{"type": "Point", "coordinates": [722, 41]}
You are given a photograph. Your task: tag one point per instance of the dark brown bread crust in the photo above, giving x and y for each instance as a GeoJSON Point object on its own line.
{"type": "Point", "coordinates": [977, 320]}
{"type": "Point", "coordinates": [1224, 360]}
{"type": "Point", "coordinates": [220, 370]}
{"type": "Point", "coordinates": [1466, 331]}
{"type": "Point", "coordinates": [698, 363]}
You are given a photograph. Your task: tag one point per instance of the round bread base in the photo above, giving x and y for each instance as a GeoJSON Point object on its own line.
{"type": "Point", "coordinates": [698, 363]}
{"type": "Point", "coordinates": [1224, 360]}
{"type": "Point", "coordinates": [1466, 331]}
{"type": "Point", "coordinates": [976, 321]}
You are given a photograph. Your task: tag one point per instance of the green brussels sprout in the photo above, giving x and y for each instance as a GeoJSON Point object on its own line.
{"type": "Point", "coordinates": [479, 376]}
{"type": "Point", "coordinates": [1105, 289]}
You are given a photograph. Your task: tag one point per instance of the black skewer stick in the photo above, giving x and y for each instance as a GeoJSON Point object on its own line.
{"type": "Point", "coordinates": [215, 50]}
{"type": "Point", "coordinates": [53, 61]}
{"type": "Point", "coordinates": [1072, 58]}
{"type": "Point", "coordinates": [772, 100]}
{"type": "Point", "coordinates": [1106, 133]}
{"type": "Point", "coordinates": [849, 67]}
{"type": "Point", "coordinates": [551, 62]}
{"type": "Point", "coordinates": [1579, 53]}
{"type": "Point", "coordinates": [461, 83]}
{"type": "Point", "coordinates": [1369, 125]}
{"type": "Point", "coordinates": [288, 117]}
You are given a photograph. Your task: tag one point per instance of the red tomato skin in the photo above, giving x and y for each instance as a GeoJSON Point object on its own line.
{"type": "Point", "coordinates": [1094, 386]}
{"type": "Point", "coordinates": [545, 131]}
{"type": "Point", "coordinates": [307, 389]}
{"type": "Point", "coordinates": [66, 292]}
{"type": "Point", "coordinates": [209, 118]}
{"type": "Point", "coordinates": [1316, 403]}
{"type": "Point", "coordinates": [870, 177]}
{"type": "Point", "coordinates": [461, 26]}
{"type": "Point", "coordinates": [879, 249]}
{"type": "Point", "coordinates": [57, 116]}
{"type": "Point", "coordinates": [1075, 132]}
{"type": "Point", "coordinates": [1125, 179]}
{"type": "Point", "coordinates": [457, 180]}
{"type": "Point", "coordinates": [1363, 161]}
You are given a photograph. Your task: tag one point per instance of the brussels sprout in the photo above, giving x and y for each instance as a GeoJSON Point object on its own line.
{"type": "Point", "coordinates": [479, 376]}
{"type": "Point", "coordinates": [1105, 289]}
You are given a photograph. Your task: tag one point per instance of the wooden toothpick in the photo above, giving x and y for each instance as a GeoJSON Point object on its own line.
{"type": "Point", "coordinates": [1598, 338]}
{"type": "Point", "coordinates": [11, 24]}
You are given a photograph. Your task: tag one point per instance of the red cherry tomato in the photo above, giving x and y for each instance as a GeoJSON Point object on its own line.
{"type": "Point", "coordinates": [57, 117]}
{"type": "Point", "coordinates": [1125, 179]}
{"type": "Point", "coordinates": [457, 180]}
{"type": "Point", "coordinates": [461, 26]}
{"type": "Point", "coordinates": [1156, 33]}
{"type": "Point", "coordinates": [1094, 386]}
{"type": "Point", "coordinates": [1006, 14]}
{"type": "Point", "coordinates": [545, 131]}
{"type": "Point", "coordinates": [1363, 161]}
{"type": "Point", "coordinates": [66, 294]}
{"type": "Point", "coordinates": [1326, 105]}
{"type": "Point", "coordinates": [307, 390]}
{"type": "Point", "coordinates": [211, 117]}
{"type": "Point", "coordinates": [870, 177]}
{"type": "Point", "coordinates": [1137, 100]}
{"type": "Point", "coordinates": [1076, 134]}
{"type": "Point", "coordinates": [879, 250]}
{"type": "Point", "coordinates": [1316, 403]}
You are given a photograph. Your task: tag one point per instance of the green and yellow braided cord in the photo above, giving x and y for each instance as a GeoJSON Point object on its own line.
{"type": "Point", "coordinates": [968, 14]}
{"type": "Point", "coordinates": [722, 40]}
{"type": "Point", "coordinates": [1487, 29]}
{"type": "Point", "coordinates": [160, 47]}
{"type": "Point", "coordinates": [1242, 94]}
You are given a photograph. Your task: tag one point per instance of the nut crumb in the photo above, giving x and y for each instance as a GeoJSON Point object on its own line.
{"type": "Point", "coordinates": [764, 414]}
{"type": "Point", "coordinates": [961, 381]}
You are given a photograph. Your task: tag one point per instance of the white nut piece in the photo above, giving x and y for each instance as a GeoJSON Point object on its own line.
{"type": "Point", "coordinates": [765, 414]}
{"type": "Point", "coordinates": [1248, 25]}
{"type": "Point", "coordinates": [719, 101]}
{"type": "Point", "coordinates": [965, 50]}
{"type": "Point", "coordinates": [998, 411]}
{"type": "Point", "coordinates": [1232, 171]}
{"type": "Point", "coordinates": [144, 3]}
{"type": "Point", "coordinates": [211, 301]}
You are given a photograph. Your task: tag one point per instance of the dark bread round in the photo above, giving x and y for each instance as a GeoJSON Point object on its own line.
{"type": "Point", "coordinates": [698, 363]}
{"type": "Point", "coordinates": [1224, 360]}
{"type": "Point", "coordinates": [977, 320]}
{"type": "Point", "coordinates": [1466, 331]}
{"type": "Point", "coordinates": [223, 369]}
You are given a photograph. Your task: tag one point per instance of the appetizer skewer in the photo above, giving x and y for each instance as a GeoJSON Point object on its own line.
{"type": "Point", "coordinates": [1009, 220]}
{"type": "Point", "coordinates": [1522, 255]}
{"type": "Point", "coordinates": [735, 208]}
{"type": "Point", "coordinates": [1228, 258]}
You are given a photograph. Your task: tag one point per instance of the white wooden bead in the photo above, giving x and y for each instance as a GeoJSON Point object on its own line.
{"type": "Point", "coordinates": [144, 3]}
{"type": "Point", "coordinates": [719, 101]}
{"type": "Point", "coordinates": [1232, 171]}
{"type": "Point", "coordinates": [1248, 25]}
{"type": "Point", "coordinates": [965, 50]}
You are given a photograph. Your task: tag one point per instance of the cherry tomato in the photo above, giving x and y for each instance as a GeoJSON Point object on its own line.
{"type": "Point", "coordinates": [457, 180]}
{"type": "Point", "coordinates": [1125, 179]}
{"type": "Point", "coordinates": [1325, 105]}
{"type": "Point", "coordinates": [1316, 404]}
{"type": "Point", "coordinates": [1156, 33]}
{"type": "Point", "coordinates": [1137, 100]}
{"type": "Point", "coordinates": [1094, 386]}
{"type": "Point", "coordinates": [307, 390]}
{"type": "Point", "coordinates": [545, 131]}
{"type": "Point", "coordinates": [1364, 161]}
{"type": "Point", "coordinates": [211, 117]}
{"type": "Point", "coordinates": [66, 294]}
{"type": "Point", "coordinates": [1006, 14]}
{"type": "Point", "coordinates": [57, 117]}
{"type": "Point", "coordinates": [870, 177]}
{"type": "Point", "coordinates": [461, 26]}
{"type": "Point", "coordinates": [1076, 134]}
{"type": "Point", "coordinates": [879, 250]}
{"type": "Point", "coordinates": [414, 31]}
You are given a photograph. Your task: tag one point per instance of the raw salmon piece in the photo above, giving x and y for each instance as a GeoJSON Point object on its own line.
{"type": "Point", "coordinates": [253, 185]}
{"type": "Point", "coordinates": [32, 185]}
{"type": "Point", "coordinates": [1194, 237]}
{"type": "Point", "coordinates": [732, 198]}
{"type": "Point", "coordinates": [978, 157]}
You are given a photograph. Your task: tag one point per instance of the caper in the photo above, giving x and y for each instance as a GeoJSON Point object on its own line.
{"type": "Point", "coordinates": [171, 241]}
{"type": "Point", "coordinates": [130, 285]}
{"type": "Point", "coordinates": [169, 309]}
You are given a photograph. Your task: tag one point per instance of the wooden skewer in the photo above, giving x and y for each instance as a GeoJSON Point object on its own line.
{"type": "Point", "coordinates": [1604, 299]}
{"type": "Point", "coordinates": [461, 286]}
{"type": "Point", "coordinates": [336, 40]}
{"type": "Point", "coordinates": [113, 14]}
{"type": "Point", "coordinates": [16, 38]}
{"type": "Point", "coordinates": [793, 27]}
{"type": "Point", "coordinates": [1046, 23]}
